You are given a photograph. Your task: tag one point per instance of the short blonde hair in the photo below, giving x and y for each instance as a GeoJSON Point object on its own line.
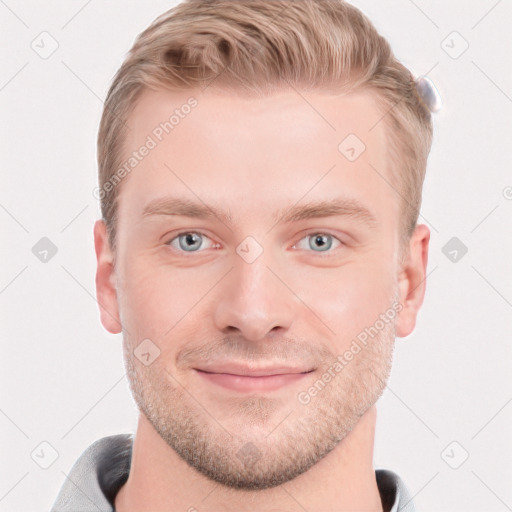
{"type": "Point", "coordinates": [258, 46]}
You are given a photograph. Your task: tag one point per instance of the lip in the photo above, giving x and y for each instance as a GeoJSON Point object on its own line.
{"type": "Point", "coordinates": [245, 370]}
{"type": "Point", "coordinates": [252, 370]}
{"type": "Point", "coordinates": [245, 380]}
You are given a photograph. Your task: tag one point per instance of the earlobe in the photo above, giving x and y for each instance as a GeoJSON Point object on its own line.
{"type": "Point", "coordinates": [105, 280]}
{"type": "Point", "coordinates": [412, 280]}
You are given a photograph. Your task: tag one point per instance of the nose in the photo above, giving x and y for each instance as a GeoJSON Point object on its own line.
{"type": "Point", "coordinates": [252, 301]}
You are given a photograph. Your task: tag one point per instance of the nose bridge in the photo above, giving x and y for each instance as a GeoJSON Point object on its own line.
{"type": "Point", "coordinates": [252, 299]}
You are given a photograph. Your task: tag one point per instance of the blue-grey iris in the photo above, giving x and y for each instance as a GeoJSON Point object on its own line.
{"type": "Point", "coordinates": [320, 238]}
{"type": "Point", "coordinates": [191, 238]}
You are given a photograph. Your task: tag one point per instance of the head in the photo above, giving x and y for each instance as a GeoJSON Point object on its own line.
{"type": "Point", "coordinates": [260, 168]}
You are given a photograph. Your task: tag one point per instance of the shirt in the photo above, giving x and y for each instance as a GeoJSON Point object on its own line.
{"type": "Point", "coordinates": [103, 468]}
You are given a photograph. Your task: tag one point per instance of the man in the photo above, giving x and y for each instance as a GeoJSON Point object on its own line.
{"type": "Point", "coordinates": [260, 167]}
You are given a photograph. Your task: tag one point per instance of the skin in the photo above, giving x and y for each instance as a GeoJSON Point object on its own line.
{"type": "Point", "coordinates": [295, 303]}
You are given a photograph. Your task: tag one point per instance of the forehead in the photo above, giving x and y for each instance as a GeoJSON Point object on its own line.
{"type": "Point", "coordinates": [252, 153]}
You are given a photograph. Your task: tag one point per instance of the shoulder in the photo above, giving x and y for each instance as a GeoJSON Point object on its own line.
{"type": "Point", "coordinates": [97, 475]}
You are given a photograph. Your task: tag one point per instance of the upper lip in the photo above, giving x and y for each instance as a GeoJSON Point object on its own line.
{"type": "Point", "coordinates": [252, 370]}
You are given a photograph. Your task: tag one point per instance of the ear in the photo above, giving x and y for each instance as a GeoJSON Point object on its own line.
{"type": "Point", "coordinates": [105, 280]}
{"type": "Point", "coordinates": [412, 280]}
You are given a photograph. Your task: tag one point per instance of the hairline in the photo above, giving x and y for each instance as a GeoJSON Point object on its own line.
{"type": "Point", "coordinates": [273, 89]}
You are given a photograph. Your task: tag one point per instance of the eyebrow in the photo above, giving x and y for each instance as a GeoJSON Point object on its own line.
{"type": "Point", "coordinates": [341, 206]}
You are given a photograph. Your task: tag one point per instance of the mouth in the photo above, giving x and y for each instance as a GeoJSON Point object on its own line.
{"type": "Point", "coordinates": [243, 379]}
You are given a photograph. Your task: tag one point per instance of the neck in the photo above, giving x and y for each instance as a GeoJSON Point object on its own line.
{"type": "Point", "coordinates": [160, 481]}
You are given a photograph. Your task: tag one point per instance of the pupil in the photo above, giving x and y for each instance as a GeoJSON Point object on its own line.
{"type": "Point", "coordinates": [321, 241]}
{"type": "Point", "coordinates": [191, 241]}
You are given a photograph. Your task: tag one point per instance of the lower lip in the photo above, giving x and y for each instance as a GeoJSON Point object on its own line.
{"type": "Point", "coordinates": [244, 383]}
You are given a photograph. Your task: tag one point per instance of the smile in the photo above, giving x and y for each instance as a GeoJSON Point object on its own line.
{"type": "Point", "coordinates": [251, 383]}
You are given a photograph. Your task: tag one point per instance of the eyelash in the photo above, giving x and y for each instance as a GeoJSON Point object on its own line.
{"type": "Point", "coordinates": [320, 254]}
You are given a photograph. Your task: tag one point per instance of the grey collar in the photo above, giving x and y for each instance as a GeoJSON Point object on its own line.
{"type": "Point", "coordinates": [103, 468]}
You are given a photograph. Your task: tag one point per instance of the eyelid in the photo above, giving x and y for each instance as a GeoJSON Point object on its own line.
{"type": "Point", "coordinates": [323, 254]}
{"type": "Point", "coordinates": [302, 236]}
{"type": "Point", "coordinates": [185, 232]}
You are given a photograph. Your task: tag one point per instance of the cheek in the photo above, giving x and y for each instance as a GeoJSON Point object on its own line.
{"type": "Point", "coordinates": [140, 297]}
{"type": "Point", "coordinates": [350, 298]}
{"type": "Point", "coordinates": [155, 298]}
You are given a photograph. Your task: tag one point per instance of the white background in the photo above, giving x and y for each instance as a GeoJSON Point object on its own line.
{"type": "Point", "coordinates": [62, 377]}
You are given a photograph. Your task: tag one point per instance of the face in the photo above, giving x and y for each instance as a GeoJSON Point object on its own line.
{"type": "Point", "coordinates": [257, 277]}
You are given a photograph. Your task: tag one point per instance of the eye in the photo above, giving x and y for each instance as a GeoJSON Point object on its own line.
{"type": "Point", "coordinates": [318, 242]}
{"type": "Point", "coordinates": [190, 241]}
